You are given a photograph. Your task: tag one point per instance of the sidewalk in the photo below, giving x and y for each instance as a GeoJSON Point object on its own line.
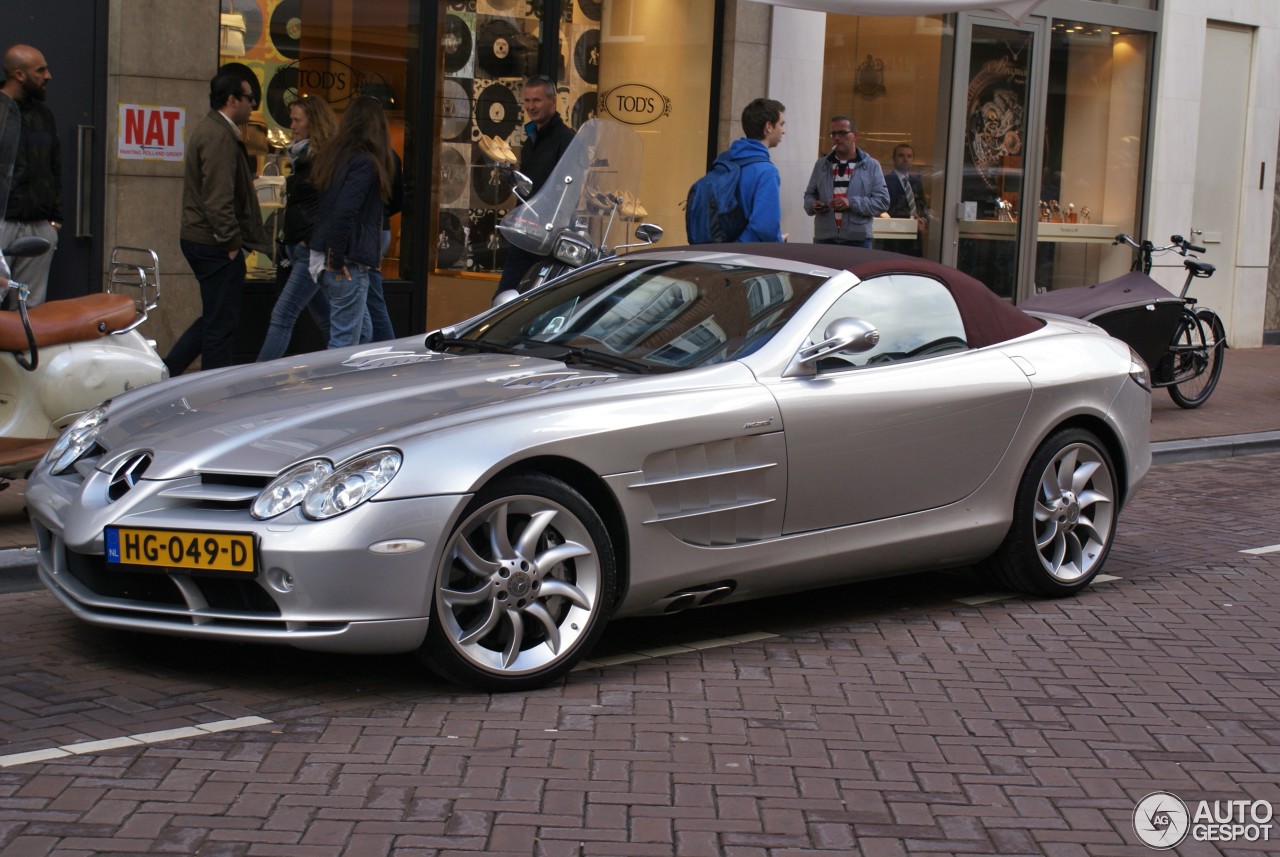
{"type": "Point", "coordinates": [1244, 412]}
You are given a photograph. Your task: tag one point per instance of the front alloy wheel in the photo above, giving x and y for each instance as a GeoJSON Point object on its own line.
{"type": "Point", "coordinates": [524, 587]}
{"type": "Point", "coordinates": [1064, 518]}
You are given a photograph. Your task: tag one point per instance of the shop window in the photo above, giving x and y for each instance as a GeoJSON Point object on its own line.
{"type": "Point", "coordinates": [887, 73]}
{"type": "Point", "coordinates": [330, 49]}
{"type": "Point", "coordinates": [1095, 147]}
{"type": "Point", "coordinates": [645, 64]}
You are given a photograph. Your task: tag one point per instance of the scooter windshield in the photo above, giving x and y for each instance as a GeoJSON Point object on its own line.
{"type": "Point", "coordinates": [601, 166]}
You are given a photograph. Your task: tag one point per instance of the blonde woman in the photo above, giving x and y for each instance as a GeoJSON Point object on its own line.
{"type": "Point", "coordinates": [313, 124]}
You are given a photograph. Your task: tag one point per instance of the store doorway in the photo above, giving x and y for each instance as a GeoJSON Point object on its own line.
{"type": "Point", "coordinates": [1220, 151]}
{"type": "Point", "coordinates": [992, 163]}
{"type": "Point", "coordinates": [72, 36]}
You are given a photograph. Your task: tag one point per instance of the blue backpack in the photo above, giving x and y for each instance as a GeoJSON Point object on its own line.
{"type": "Point", "coordinates": [713, 210]}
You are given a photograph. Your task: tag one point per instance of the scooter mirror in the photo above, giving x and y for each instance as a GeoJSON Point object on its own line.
{"type": "Point", "coordinates": [650, 233]}
{"type": "Point", "coordinates": [523, 184]}
{"type": "Point", "coordinates": [30, 245]}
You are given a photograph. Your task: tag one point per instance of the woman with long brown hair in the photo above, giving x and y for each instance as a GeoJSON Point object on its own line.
{"type": "Point", "coordinates": [354, 173]}
{"type": "Point", "coordinates": [313, 124]}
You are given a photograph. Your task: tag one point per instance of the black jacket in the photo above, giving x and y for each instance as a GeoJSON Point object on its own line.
{"type": "Point", "coordinates": [301, 201]}
{"type": "Point", "coordinates": [348, 225]}
{"type": "Point", "coordinates": [543, 148]}
{"type": "Point", "coordinates": [36, 190]}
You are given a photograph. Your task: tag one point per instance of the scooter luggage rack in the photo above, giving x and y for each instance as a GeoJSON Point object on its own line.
{"type": "Point", "coordinates": [135, 268]}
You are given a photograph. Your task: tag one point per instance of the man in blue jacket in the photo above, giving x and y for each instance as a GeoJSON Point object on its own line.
{"type": "Point", "coordinates": [764, 125]}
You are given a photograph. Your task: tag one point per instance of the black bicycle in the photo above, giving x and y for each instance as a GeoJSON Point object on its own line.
{"type": "Point", "coordinates": [1192, 363]}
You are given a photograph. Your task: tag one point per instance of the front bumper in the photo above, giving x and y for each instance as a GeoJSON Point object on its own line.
{"type": "Point", "coordinates": [318, 586]}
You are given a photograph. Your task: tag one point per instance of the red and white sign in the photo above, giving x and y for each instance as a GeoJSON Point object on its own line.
{"type": "Point", "coordinates": [151, 133]}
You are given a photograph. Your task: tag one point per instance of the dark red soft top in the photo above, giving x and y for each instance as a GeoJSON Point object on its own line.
{"type": "Point", "coordinates": [987, 319]}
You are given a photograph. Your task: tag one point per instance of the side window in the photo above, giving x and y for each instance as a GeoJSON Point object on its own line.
{"type": "Point", "coordinates": [915, 315]}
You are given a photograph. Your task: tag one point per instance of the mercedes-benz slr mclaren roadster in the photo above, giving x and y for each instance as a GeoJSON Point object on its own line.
{"type": "Point", "coordinates": [649, 434]}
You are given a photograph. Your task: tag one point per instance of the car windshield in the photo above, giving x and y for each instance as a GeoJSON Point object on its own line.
{"type": "Point", "coordinates": [656, 315]}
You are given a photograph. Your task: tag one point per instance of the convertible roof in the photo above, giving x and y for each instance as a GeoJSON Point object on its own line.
{"type": "Point", "coordinates": [987, 318]}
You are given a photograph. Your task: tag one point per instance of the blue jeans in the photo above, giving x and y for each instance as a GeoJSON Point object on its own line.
{"type": "Point", "coordinates": [378, 315]}
{"type": "Point", "coordinates": [349, 322]}
{"type": "Point", "coordinates": [212, 336]}
{"type": "Point", "coordinates": [298, 292]}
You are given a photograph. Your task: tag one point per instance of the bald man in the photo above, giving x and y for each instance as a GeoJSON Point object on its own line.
{"type": "Point", "coordinates": [33, 201]}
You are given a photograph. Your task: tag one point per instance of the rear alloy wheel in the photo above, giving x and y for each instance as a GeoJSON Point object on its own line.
{"type": "Point", "coordinates": [524, 586]}
{"type": "Point", "coordinates": [1064, 518]}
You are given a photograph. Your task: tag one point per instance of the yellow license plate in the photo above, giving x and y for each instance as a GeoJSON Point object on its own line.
{"type": "Point", "coordinates": [197, 551]}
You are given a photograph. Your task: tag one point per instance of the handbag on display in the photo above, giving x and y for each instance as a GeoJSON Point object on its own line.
{"type": "Point", "coordinates": [231, 32]}
{"type": "Point", "coordinates": [270, 187]}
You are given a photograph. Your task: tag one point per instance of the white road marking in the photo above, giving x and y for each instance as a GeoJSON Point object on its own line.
{"type": "Point", "coordinates": [84, 747]}
{"type": "Point", "coordinates": [1260, 551]}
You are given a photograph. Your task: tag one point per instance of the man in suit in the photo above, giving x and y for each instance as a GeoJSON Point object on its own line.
{"type": "Point", "coordinates": [907, 199]}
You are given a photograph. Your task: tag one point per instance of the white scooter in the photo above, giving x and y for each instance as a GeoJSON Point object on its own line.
{"type": "Point", "coordinates": [66, 356]}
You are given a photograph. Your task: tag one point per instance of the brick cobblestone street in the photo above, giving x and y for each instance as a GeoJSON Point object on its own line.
{"type": "Point", "coordinates": [885, 718]}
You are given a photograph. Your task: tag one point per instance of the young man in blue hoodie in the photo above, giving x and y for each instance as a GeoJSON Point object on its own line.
{"type": "Point", "coordinates": [764, 124]}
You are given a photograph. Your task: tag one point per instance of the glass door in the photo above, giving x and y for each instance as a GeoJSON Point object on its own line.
{"type": "Point", "coordinates": [992, 172]}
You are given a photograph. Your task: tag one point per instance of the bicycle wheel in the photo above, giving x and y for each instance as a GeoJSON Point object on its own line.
{"type": "Point", "coordinates": [1197, 351]}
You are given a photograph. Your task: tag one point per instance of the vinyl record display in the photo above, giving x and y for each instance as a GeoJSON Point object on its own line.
{"type": "Point", "coordinates": [453, 175]}
{"type": "Point", "coordinates": [590, 9]}
{"type": "Point", "coordinates": [451, 242]}
{"type": "Point", "coordinates": [586, 56]}
{"type": "Point", "coordinates": [286, 28]}
{"type": "Point", "coordinates": [583, 109]}
{"type": "Point", "coordinates": [455, 111]}
{"type": "Point", "coordinates": [487, 250]}
{"type": "Point", "coordinates": [504, 51]}
{"type": "Point", "coordinates": [492, 186]}
{"type": "Point", "coordinates": [462, 5]}
{"type": "Point", "coordinates": [282, 91]}
{"type": "Point", "coordinates": [247, 9]}
{"type": "Point", "coordinates": [497, 111]}
{"type": "Point", "coordinates": [455, 44]}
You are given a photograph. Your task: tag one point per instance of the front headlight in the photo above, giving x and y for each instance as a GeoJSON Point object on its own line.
{"type": "Point", "coordinates": [573, 251]}
{"type": "Point", "coordinates": [290, 488]}
{"type": "Point", "coordinates": [76, 440]}
{"type": "Point", "coordinates": [351, 484]}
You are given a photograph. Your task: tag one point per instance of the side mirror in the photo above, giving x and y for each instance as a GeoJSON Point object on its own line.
{"type": "Point", "coordinates": [522, 184]}
{"type": "Point", "coordinates": [505, 296]}
{"type": "Point", "coordinates": [29, 245]}
{"type": "Point", "coordinates": [848, 335]}
{"type": "Point", "coordinates": [649, 233]}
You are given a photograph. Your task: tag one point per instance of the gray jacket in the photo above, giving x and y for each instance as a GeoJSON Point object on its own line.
{"type": "Point", "coordinates": [868, 196]}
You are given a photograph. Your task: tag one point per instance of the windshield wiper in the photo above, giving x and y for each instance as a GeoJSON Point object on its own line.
{"type": "Point", "coordinates": [435, 342]}
{"type": "Point", "coordinates": [562, 352]}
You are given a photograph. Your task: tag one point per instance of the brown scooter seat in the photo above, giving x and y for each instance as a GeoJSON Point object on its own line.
{"type": "Point", "coordinates": [74, 320]}
{"type": "Point", "coordinates": [17, 450]}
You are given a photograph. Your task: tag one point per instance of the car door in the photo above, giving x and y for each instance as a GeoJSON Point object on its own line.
{"type": "Point", "coordinates": [917, 422]}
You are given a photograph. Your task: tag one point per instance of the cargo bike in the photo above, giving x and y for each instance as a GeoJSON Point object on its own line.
{"type": "Point", "coordinates": [1184, 345]}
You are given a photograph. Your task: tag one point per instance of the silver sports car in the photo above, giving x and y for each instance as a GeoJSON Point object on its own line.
{"type": "Point", "coordinates": [650, 434]}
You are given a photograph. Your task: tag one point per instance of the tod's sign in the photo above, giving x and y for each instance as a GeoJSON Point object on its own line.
{"type": "Point", "coordinates": [635, 104]}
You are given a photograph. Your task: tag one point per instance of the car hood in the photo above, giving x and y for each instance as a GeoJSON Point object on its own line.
{"type": "Point", "coordinates": [260, 419]}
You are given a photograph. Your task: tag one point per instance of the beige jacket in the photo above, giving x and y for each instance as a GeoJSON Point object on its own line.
{"type": "Point", "coordinates": [219, 204]}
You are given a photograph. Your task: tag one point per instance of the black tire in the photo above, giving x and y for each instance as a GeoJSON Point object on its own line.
{"type": "Point", "coordinates": [1199, 350]}
{"type": "Point", "coordinates": [524, 588]}
{"type": "Point", "coordinates": [1064, 518]}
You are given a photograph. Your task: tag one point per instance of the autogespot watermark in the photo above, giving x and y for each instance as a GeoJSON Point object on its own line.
{"type": "Point", "coordinates": [1162, 820]}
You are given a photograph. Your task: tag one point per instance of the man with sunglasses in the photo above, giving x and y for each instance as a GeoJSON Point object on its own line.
{"type": "Point", "coordinates": [220, 223]}
{"type": "Point", "coordinates": [846, 190]}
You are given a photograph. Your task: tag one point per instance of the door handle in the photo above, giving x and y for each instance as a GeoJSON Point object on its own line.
{"type": "Point", "coordinates": [84, 181]}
